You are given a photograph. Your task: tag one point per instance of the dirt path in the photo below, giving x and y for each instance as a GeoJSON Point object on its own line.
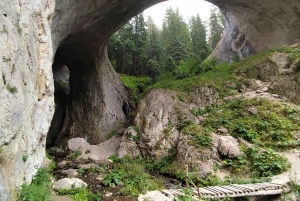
{"type": "Point", "coordinates": [60, 198]}
{"type": "Point", "coordinates": [294, 173]}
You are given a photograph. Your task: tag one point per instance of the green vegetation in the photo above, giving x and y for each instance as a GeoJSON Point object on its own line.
{"type": "Point", "coordinates": [24, 158]}
{"type": "Point", "coordinates": [257, 163]}
{"type": "Point", "coordinates": [137, 137]}
{"type": "Point", "coordinates": [137, 85]}
{"type": "Point", "coordinates": [75, 154]}
{"type": "Point", "coordinates": [133, 174]}
{"type": "Point", "coordinates": [140, 48]}
{"type": "Point", "coordinates": [199, 137]}
{"type": "Point", "coordinates": [223, 72]}
{"type": "Point", "coordinates": [271, 128]}
{"type": "Point", "coordinates": [38, 190]}
{"type": "Point", "coordinates": [81, 194]}
{"type": "Point", "coordinates": [111, 134]}
{"type": "Point", "coordinates": [11, 89]}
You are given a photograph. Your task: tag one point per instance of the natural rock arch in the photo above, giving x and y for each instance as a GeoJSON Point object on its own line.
{"type": "Point", "coordinates": [33, 31]}
{"type": "Point", "coordinates": [250, 28]}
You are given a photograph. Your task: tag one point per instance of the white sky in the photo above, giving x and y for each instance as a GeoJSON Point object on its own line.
{"type": "Point", "coordinates": [187, 8]}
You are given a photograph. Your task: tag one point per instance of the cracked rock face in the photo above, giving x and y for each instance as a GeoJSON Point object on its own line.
{"type": "Point", "coordinates": [74, 33]}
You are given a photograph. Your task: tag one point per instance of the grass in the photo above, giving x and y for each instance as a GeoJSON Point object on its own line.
{"type": "Point", "coordinates": [271, 128]}
{"type": "Point", "coordinates": [137, 85]}
{"type": "Point", "coordinates": [223, 72]}
{"type": "Point", "coordinates": [111, 134]}
{"type": "Point", "coordinates": [11, 89]}
{"type": "Point", "coordinates": [75, 154]}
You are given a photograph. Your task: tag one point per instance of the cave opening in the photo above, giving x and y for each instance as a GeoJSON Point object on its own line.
{"type": "Point", "coordinates": [71, 67]}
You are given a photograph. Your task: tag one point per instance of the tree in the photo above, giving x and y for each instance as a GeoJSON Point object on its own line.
{"type": "Point", "coordinates": [216, 26]}
{"type": "Point", "coordinates": [200, 46]}
{"type": "Point", "coordinates": [154, 48]}
{"type": "Point", "coordinates": [175, 36]}
{"type": "Point", "coordinates": [139, 56]}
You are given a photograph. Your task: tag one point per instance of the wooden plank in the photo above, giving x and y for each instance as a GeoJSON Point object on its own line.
{"type": "Point", "coordinates": [233, 190]}
{"type": "Point", "coordinates": [203, 191]}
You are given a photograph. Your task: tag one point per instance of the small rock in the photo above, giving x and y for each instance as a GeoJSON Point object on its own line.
{"type": "Point", "coordinates": [223, 130]}
{"type": "Point", "coordinates": [120, 184]}
{"type": "Point", "coordinates": [98, 186]}
{"type": "Point", "coordinates": [78, 144]}
{"type": "Point", "coordinates": [275, 95]}
{"type": "Point", "coordinates": [109, 161]}
{"type": "Point", "coordinates": [94, 158]}
{"type": "Point", "coordinates": [155, 196]}
{"type": "Point", "coordinates": [100, 178]}
{"type": "Point", "coordinates": [265, 89]}
{"type": "Point", "coordinates": [62, 164]}
{"type": "Point", "coordinates": [70, 172]}
{"type": "Point", "coordinates": [87, 166]}
{"type": "Point", "coordinates": [69, 183]}
{"type": "Point", "coordinates": [252, 110]}
{"type": "Point", "coordinates": [259, 91]}
{"type": "Point", "coordinates": [108, 194]}
{"type": "Point", "coordinates": [229, 146]}
{"type": "Point", "coordinates": [296, 151]}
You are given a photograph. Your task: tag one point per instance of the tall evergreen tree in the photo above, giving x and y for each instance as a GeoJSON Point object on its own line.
{"type": "Point", "coordinates": [139, 57]}
{"type": "Point", "coordinates": [200, 46]}
{"type": "Point", "coordinates": [216, 26]}
{"type": "Point", "coordinates": [154, 48]}
{"type": "Point", "coordinates": [175, 36]}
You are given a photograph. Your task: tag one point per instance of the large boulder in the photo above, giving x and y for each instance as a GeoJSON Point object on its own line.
{"type": "Point", "coordinates": [159, 113]}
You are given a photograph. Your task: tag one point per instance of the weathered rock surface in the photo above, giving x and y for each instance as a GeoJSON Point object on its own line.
{"type": "Point", "coordinates": [77, 32]}
{"type": "Point", "coordinates": [128, 145]}
{"type": "Point", "coordinates": [26, 89]}
{"type": "Point", "coordinates": [280, 71]}
{"type": "Point", "coordinates": [154, 196]}
{"type": "Point", "coordinates": [227, 145]}
{"type": "Point", "coordinates": [159, 113]}
{"type": "Point", "coordinates": [78, 144]}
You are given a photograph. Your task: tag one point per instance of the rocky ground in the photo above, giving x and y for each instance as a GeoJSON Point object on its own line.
{"type": "Point", "coordinates": [157, 123]}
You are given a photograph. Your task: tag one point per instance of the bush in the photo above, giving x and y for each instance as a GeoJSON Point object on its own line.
{"type": "Point", "coordinates": [137, 85]}
{"type": "Point", "coordinates": [259, 163]}
{"type": "Point", "coordinates": [133, 174]}
{"type": "Point", "coordinates": [38, 190]}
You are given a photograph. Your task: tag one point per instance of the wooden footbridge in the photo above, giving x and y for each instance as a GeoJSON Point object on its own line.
{"type": "Point", "coordinates": [234, 190]}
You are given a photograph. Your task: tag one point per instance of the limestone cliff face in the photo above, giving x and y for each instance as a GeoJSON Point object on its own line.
{"type": "Point", "coordinates": [255, 26]}
{"type": "Point", "coordinates": [26, 90]}
{"type": "Point", "coordinates": [36, 34]}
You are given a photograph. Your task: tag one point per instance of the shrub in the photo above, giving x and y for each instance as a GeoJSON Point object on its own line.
{"type": "Point", "coordinates": [38, 190]}
{"type": "Point", "coordinates": [259, 163]}
{"type": "Point", "coordinates": [133, 174]}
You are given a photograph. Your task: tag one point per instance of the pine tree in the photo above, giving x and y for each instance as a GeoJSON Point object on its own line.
{"type": "Point", "coordinates": [175, 36]}
{"type": "Point", "coordinates": [139, 57]}
{"type": "Point", "coordinates": [154, 48]}
{"type": "Point", "coordinates": [200, 46]}
{"type": "Point", "coordinates": [216, 26]}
